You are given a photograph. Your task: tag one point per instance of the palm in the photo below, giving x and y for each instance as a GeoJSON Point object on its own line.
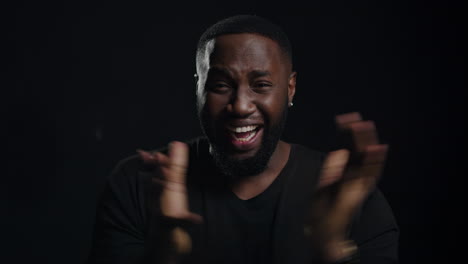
{"type": "Point", "coordinates": [173, 198]}
{"type": "Point", "coordinates": [347, 177]}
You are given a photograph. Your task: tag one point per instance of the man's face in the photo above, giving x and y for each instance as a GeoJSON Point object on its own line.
{"type": "Point", "coordinates": [245, 85]}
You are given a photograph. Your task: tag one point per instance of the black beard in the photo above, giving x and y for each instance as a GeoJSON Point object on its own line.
{"type": "Point", "coordinates": [235, 169]}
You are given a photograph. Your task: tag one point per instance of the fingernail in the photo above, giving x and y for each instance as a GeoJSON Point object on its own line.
{"type": "Point", "coordinates": [145, 154]}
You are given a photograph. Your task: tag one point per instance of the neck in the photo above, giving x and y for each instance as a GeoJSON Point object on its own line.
{"type": "Point", "coordinates": [252, 186]}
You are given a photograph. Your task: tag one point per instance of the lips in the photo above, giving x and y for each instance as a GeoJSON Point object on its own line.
{"type": "Point", "coordinates": [245, 137]}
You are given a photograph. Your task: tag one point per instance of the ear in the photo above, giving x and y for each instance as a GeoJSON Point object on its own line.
{"type": "Point", "coordinates": [291, 87]}
{"type": "Point", "coordinates": [197, 80]}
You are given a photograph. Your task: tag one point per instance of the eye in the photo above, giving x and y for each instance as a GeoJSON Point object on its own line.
{"type": "Point", "coordinates": [219, 87]}
{"type": "Point", "coordinates": [262, 86]}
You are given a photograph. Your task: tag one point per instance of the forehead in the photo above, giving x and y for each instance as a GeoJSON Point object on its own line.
{"type": "Point", "coordinates": [243, 52]}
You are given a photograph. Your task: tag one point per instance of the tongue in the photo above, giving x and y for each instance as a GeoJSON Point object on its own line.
{"type": "Point", "coordinates": [243, 134]}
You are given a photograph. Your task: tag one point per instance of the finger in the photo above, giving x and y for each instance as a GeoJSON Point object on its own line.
{"type": "Point", "coordinates": [333, 167]}
{"type": "Point", "coordinates": [375, 154]}
{"type": "Point", "coordinates": [178, 161]}
{"type": "Point", "coordinates": [361, 179]}
{"type": "Point", "coordinates": [153, 158]}
{"type": "Point", "coordinates": [195, 218]}
{"type": "Point", "coordinates": [345, 119]}
{"type": "Point", "coordinates": [147, 157]}
{"type": "Point", "coordinates": [174, 201]}
{"type": "Point", "coordinates": [363, 134]}
{"type": "Point", "coordinates": [163, 164]}
{"type": "Point", "coordinates": [372, 163]}
{"type": "Point", "coordinates": [182, 241]}
{"type": "Point", "coordinates": [162, 159]}
{"type": "Point", "coordinates": [370, 155]}
{"type": "Point", "coordinates": [159, 160]}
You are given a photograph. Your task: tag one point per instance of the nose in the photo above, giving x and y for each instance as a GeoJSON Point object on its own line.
{"type": "Point", "coordinates": [241, 103]}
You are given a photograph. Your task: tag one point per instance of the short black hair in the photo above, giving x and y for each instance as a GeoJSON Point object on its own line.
{"type": "Point", "coordinates": [246, 24]}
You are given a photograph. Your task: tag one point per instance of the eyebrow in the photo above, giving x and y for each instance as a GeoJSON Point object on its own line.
{"type": "Point", "coordinates": [258, 73]}
{"type": "Point", "coordinates": [224, 71]}
{"type": "Point", "coordinates": [220, 70]}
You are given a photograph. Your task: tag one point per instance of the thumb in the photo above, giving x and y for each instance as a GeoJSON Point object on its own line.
{"type": "Point", "coordinates": [195, 218]}
{"type": "Point", "coordinates": [333, 167]}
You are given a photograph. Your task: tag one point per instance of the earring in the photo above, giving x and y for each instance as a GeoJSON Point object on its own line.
{"type": "Point", "coordinates": [291, 104]}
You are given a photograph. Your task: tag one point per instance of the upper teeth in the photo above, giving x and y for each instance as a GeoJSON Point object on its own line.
{"type": "Point", "coordinates": [242, 129]}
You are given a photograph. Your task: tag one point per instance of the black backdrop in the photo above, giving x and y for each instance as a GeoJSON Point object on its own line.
{"type": "Point", "coordinates": [91, 82]}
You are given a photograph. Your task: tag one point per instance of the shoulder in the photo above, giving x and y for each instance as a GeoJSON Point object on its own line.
{"type": "Point", "coordinates": [301, 153]}
{"type": "Point", "coordinates": [131, 174]}
{"type": "Point", "coordinates": [129, 183]}
{"type": "Point", "coordinates": [133, 164]}
{"type": "Point", "coordinates": [375, 225]}
{"type": "Point", "coordinates": [375, 231]}
{"type": "Point", "coordinates": [303, 167]}
{"type": "Point", "coordinates": [375, 215]}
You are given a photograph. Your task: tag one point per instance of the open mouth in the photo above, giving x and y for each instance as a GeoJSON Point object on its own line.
{"type": "Point", "coordinates": [244, 136]}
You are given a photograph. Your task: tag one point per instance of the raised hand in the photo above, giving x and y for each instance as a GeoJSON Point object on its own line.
{"type": "Point", "coordinates": [348, 176]}
{"type": "Point", "coordinates": [173, 199]}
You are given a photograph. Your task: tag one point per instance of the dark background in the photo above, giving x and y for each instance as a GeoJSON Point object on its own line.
{"type": "Point", "coordinates": [88, 83]}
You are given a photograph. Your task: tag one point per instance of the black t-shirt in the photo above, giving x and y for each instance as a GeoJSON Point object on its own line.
{"type": "Point", "coordinates": [251, 224]}
{"type": "Point", "coordinates": [265, 229]}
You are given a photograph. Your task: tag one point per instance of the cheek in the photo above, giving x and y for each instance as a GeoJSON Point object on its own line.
{"type": "Point", "coordinates": [273, 106]}
{"type": "Point", "coordinates": [215, 104]}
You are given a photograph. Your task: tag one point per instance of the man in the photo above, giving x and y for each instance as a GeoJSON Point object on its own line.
{"type": "Point", "coordinates": [240, 194]}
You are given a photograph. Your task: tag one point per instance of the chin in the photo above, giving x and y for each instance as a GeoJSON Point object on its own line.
{"type": "Point", "coordinates": [238, 160]}
{"type": "Point", "coordinates": [237, 165]}
{"type": "Point", "coordinates": [241, 157]}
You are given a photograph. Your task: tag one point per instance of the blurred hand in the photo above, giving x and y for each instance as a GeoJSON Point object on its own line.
{"type": "Point", "coordinates": [347, 177]}
{"type": "Point", "coordinates": [172, 169]}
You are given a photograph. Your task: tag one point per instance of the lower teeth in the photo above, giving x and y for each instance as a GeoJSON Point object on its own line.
{"type": "Point", "coordinates": [249, 137]}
